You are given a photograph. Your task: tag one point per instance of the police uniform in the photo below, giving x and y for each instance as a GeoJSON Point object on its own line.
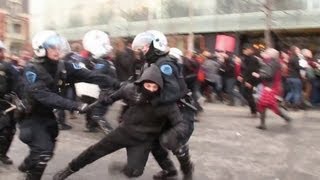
{"type": "Point", "coordinates": [8, 77]}
{"type": "Point", "coordinates": [173, 83]}
{"type": "Point", "coordinates": [142, 123]}
{"type": "Point", "coordinates": [95, 116]}
{"type": "Point", "coordinates": [39, 129]}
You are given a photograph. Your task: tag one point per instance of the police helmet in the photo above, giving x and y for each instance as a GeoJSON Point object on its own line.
{"type": "Point", "coordinates": [156, 38]}
{"type": "Point", "coordinates": [97, 43]}
{"type": "Point", "coordinates": [49, 39]}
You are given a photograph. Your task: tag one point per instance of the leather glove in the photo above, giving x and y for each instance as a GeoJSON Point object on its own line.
{"type": "Point", "coordinates": [105, 100]}
{"type": "Point", "coordinates": [83, 108]}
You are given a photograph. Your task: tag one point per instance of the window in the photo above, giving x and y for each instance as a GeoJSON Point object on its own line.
{"type": "Point", "coordinates": [17, 28]}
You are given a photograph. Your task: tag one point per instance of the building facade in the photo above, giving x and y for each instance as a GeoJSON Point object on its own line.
{"type": "Point", "coordinates": [292, 21]}
{"type": "Point", "coordinates": [14, 24]}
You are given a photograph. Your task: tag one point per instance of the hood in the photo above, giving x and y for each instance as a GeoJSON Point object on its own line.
{"type": "Point", "coordinates": [152, 73]}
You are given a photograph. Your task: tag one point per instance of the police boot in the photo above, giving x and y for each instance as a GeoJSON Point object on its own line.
{"type": "Point", "coordinates": [262, 125]}
{"type": "Point", "coordinates": [23, 167]}
{"type": "Point", "coordinates": [168, 172]}
{"type": "Point", "coordinates": [31, 176]}
{"type": "Point", "coordinates": [105, 126]}
{"type": "Point", "coordinates": [63, 174]}
{"type": "Point", "coordinates": [284, 115]}
{"type": "Point", "coordinates": [186, 165]}
{"type": "Point", "coordinates": [4, 146]}
{"type": "Point", "coordinates": [5, 160]}
{"type": "Point", "coordinates": [64, 126]}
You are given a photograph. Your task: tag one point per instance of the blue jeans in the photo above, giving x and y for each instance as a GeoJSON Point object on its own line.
{"type": "Point", "coordinates": [315, 93]}
{"type": "Point", "coordinates": [230, 83]}
{"type": "Point", "coordinates": [295, 91]}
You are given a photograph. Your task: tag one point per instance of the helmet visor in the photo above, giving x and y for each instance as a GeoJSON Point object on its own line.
{"type": "Point", "coordinates": [141, 41]}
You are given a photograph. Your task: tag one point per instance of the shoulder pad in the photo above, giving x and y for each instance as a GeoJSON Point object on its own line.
{"type": "Point", "coordinates": [76, 66]}
{"type": "Point", "coordinates": [31, 76]}
{"type": "Point", "coordinates": [166, 69]}
{"type": "Point", "coordinates": [99, 66]}
{"type": "Point", "coordinates": [2, 73]}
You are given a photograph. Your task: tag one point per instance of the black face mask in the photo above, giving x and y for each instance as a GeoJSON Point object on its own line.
{"type": "Point", "coordinates": [148, 94]}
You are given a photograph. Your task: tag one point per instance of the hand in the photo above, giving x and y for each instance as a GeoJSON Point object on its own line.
{"type": "Point", "coordinates": [254, 74]}
{"type": "Point", "coordinates": [248, 85]}
{"type": "Point", "coordinates": [268, 89]}
{"type": "Point", "coordinates": [83, 108]}
{"type": "Point", "coordinates": [105, 100]}
{"type": "Point", "coordinates": [239, 78]}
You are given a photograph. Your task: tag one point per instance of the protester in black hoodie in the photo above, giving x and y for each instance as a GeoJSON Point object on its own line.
{"type": "Point", "coordinates": [142, 124]}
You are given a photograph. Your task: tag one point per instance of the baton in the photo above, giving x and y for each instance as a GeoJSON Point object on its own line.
{"type": "Point", "coordinates": [188, 104]}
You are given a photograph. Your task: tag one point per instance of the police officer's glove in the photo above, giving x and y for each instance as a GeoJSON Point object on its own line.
{"type": "Point", "coordinates": [83, 108]}
{"type": "Point", "coordinates": [7, 97]}
{"type": "Point", "coordinates": [105, 100]}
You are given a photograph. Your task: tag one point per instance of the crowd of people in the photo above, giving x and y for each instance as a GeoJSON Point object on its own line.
{"type": "Point", "coordinates": [160, 86]}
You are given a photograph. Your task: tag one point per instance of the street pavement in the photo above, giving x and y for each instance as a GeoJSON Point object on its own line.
{"type": "Point", "coordinates": [225, 146]}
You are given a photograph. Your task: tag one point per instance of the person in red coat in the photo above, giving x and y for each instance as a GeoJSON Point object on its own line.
{"type": "Point", "coordinates": [270, 76]}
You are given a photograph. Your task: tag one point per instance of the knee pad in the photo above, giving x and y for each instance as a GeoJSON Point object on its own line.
{"type": "Point", "coordinates": [182, 151]}
{"type": "Point", "coordinates": [132, 172]}
{"type": "Point", "coordinates": [43, 160]}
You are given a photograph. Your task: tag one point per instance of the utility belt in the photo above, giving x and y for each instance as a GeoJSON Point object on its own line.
{"type": "Point", "coordinates": [21, 108]}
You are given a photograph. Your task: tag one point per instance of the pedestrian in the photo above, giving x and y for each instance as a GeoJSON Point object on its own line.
{"type": "Point", "coordinates": [250, 64]}
{"type": "Point", "coordinates": [270, 75]}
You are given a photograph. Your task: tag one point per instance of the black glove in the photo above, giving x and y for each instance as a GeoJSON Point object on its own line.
{"type": "Point", "coordinates": [105, 99]}
{"type": "Point", "coordinates": [83, 108]}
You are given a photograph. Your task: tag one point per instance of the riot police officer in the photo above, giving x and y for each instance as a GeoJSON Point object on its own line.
{"type": "Point", "coordinates": [97, 43]}
{"type": "Point", "coordinates": [154, 46]}
{"type": "Point", "coordinates": [42, 79]}
{"type": "Point", "coordinates": [7, 122]}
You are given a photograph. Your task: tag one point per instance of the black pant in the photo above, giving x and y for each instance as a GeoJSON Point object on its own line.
{"type": "Point", "coordinates": [159, 149]}
{"type": "Point", "coordinates": [248, 95]}
{"type": "Point", "coordinates": [90, 123]}
{"type": "Point", "coordinates": [137, 151]}
{"type": "Point", "coordinates": [6, 137]}
{"type": "Point", "coordinates": [7, 131]}
{"type": "Point", "coordinates": [39, 133]}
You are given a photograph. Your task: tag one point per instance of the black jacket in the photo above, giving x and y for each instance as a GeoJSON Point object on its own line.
{"type": "Point", "coordinates": [250, 64]}
{"type": "Point", "coordinates": [144, 121]}
{"type": "Point", "coordinates": [294, 67]}
{"type": "Point", "coordinates": [41, 85]}
{"type": "Point", "coordinates": [174, 87]}
{"type": "Point", "coordinates": [9, 77]}
{"type": "Point", "coordinates": [228, 68]}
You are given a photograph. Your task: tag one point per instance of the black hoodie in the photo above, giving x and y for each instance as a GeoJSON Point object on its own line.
{"type": "Point", "coordinates": [142, 120]}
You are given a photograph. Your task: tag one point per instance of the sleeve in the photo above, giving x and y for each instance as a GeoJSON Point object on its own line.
{"type": "Point", "coordinates": [268, 71]}
{"type": "Point", "coordinates": [171, 89]}
{"type": "Point", "coordinates": [171, 139]}
{"type": "Point", "coordinates": [36, 87]}
{"type": "Point", "coordinates": [79, 74]}
{"type": "Point", "coordinates": [3, 80]}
